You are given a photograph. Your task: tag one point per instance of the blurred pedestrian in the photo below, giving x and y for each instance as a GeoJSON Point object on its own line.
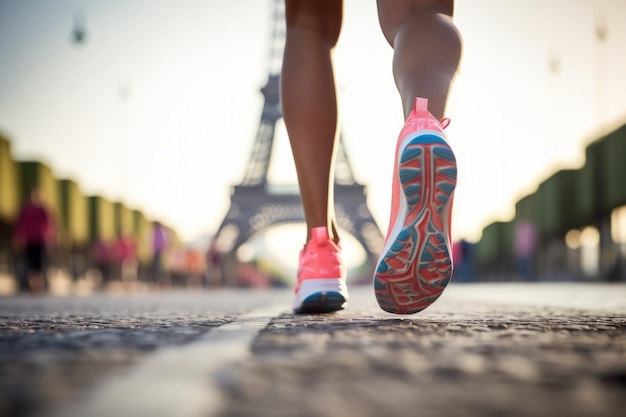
{"type": "Point", "coordinates": [524, 247]}
{"type": "Point", "coordinates": [160, 241]}
{"type": "Point", "coordinates": [125, 257]}
{"type": "Point", "coordinates": [33, 234]}
{"type": "Point", "coordinates": [463, 252]}
{"type": "Point", "coordinates": [101, 258]}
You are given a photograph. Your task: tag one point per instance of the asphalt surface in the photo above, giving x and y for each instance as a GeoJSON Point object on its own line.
{"type": "Point", "coordinates": [481, 350]}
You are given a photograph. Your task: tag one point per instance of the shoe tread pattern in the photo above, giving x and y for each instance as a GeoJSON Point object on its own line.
{"type": "Point", "coordinates": [417, 266]}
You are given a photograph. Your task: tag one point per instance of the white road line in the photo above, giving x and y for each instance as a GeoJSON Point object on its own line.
{"type": "Point", "coordinates": [175, 381]}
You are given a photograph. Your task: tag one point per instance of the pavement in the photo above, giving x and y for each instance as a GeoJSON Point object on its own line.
{"type": "Point", "coordinates": [533, 349]}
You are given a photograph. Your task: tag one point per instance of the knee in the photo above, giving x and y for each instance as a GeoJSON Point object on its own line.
{"type": "Point", "coordinates": [321, 16]}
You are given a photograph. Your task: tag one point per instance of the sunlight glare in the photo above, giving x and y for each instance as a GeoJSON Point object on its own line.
{"type": "Point", "coordinates": [284, 243]}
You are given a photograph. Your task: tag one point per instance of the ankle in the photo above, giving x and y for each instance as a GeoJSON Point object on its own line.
{"type": "Point", "coordinates": [323, 232]}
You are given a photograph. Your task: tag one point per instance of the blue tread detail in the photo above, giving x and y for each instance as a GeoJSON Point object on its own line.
{"type": "Point", "coordinates": [407, 175]}
{"type": "Point", "coordinates": [409, 154]}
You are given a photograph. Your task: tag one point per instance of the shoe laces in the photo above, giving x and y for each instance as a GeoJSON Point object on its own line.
{"type": "Point", "coordinates": [445, 122]}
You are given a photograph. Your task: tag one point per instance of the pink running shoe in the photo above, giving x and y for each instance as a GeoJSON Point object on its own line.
{"type": "Point", "coordinates": [321, 284]}
{"type": "Point", "coordinates": [415, 265]}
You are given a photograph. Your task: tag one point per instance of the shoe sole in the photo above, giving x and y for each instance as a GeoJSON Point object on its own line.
{"type": "Point", "coordinates": [319, 296]}
{"type": "Point", "coordinates": [415, 265]}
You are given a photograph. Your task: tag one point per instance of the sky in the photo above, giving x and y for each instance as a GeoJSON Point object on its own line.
{"type": "Point", "coordinates": [159, 107]}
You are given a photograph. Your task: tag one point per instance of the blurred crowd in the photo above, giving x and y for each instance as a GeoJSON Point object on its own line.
{"type": "Point", "coordinates": [105, 264]}
{"type": "Point", "coordinates": [115, 264]}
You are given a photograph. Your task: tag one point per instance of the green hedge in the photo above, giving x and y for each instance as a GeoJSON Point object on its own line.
{"type": "Point", "coordinates": [496, 243]}
{"type": "Point", "coordinates": [9, 181]}
{"type": "Point", "coordinates": [614, 170]}
{"type": "Point", "coordinates": [101, 218]}
{"type": "Point", "coordinates": [74, 213]}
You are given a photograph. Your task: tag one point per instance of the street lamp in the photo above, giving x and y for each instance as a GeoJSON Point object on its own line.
{"type": "Point", "coordinates": [79, 33]}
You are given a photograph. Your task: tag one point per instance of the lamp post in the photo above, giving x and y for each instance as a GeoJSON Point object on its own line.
{"type": "Point", "coordinates": [601, 32]}
{"type": "Point", "coordinates": [79, 31]}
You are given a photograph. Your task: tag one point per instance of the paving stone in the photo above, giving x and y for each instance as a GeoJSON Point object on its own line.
{"type": "Point", "coordinates": [54, 350]}
{"type": "Point", "coordinates": [522, 364]}
{"type": "Point", "coordinates": [463, 356]}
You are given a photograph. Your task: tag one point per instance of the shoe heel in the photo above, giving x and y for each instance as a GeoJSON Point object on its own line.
{"type": "Point", "coordinates": [427, 151]}
{"type": "Point", "coordinates": [318, 296]}
{"type": "Point", "coordinates": [417, 265]}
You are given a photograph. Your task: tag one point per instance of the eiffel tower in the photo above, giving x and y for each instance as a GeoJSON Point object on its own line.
{"type": "Point", "coordinates": [256, 204]}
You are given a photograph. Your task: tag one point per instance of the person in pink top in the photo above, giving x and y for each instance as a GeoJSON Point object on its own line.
{"type": "Point", "coordinates": [415, 264]}
{"type": "Point", "coordinates": [32, 234]}
{"type": "Point", "coordinates": [125, 256]}
{"type": "Point", "coordinates": [524, 246]}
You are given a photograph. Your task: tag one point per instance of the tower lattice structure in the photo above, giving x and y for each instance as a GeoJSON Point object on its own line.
{"type": "Point", "coordinates": [257, 205]}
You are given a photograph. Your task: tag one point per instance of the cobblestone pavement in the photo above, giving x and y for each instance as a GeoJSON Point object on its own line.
{"type": "Point", "coordinates": [519, 363]}
{"type": "Point", "coordinates": [481, 350]}
{"type": "Point", "coordinates": [55, 349]}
